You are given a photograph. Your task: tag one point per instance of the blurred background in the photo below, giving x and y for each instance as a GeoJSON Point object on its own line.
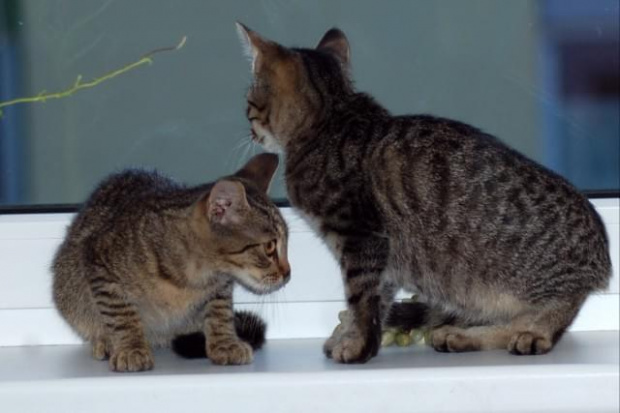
{"type": "Point", "coordinates": [542, 75]}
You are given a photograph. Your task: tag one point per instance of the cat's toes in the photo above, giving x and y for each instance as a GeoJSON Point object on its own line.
{"type": "Point", "coordinates": [101, 349]}
{"type": "Point", "coordinates": [333, 340]}
{"type": "Point", "coordinates": [354, 348]}
{"type": "Point", "coordinates": [439, 339]}
{"type": "Point", "coordinates": [328, 347]}
{"type": "Point", "coordinates": [528, 343]}
{"type": "Point", "coordinates": [230, 352]}
{"type": "Point", "coordinates": [453, 340]}
{"type": "Point", "coordinates": [132, 359]}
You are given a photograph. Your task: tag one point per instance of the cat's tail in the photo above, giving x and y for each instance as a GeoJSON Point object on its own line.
{"type": "Point", "coordinates": [408, 315]}
{"type": "Point", "coordinates": [249, 327]}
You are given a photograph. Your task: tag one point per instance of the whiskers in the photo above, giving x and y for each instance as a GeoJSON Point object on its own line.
{"type": "Point", "coordinates": [243, 150]}
{"type": "Point", "coordinates": [269, 308]}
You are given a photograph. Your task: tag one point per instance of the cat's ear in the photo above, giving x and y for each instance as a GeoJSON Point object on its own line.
{"type": "Point", "coordinates": [226, 202]}
{"type": "Point", "coordinates": [253, 44]}
{"type": "Point", "coordinates": [260, 170]}
{"type": "Point", "coordinates": [336, 43]}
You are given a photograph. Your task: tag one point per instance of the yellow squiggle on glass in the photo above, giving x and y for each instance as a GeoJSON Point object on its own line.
{"type": "Point", "coordinates": [79, 85]}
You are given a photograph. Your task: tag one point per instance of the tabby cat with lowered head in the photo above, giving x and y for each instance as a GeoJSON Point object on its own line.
{"type": "Point", "coordinates": [146, 260]}
{"type": "Point", "coordinates": [502, 251]}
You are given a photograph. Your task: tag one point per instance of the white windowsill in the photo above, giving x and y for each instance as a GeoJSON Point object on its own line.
{"type": "Point", "coordinates": [580, 375]}
{"type": "Point", "coordinates": [42, 370]}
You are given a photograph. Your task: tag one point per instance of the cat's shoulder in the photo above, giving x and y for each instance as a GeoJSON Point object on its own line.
{"type": "Point", "coordinates": [130, 184]}
{"type": "Point", "coordinates": [135, 178]}
{"type": "Point", "coordinates": [455, 134]}
{"type": "Point", "coordinates": [441, 126]}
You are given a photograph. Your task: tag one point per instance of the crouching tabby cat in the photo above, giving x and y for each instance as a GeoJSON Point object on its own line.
{"type": "Point", "coordinates": [503, 251]}
{"type": "Point", "coordinates": [146, 260]}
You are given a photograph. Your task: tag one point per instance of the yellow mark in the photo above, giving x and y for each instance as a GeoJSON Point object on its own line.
{"type": "Point", "coordinates": [79, 85]}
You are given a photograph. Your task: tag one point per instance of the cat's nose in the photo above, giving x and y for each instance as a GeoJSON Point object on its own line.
{"type": "Point", "coordinates": [285, 270]}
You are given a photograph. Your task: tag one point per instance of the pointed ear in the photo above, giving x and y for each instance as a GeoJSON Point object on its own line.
{"type": "Point", "coordinates": [260, 170]}
{"type": "Point", "coordinates": [226, 202]}
{"type": "Point", "coordinates": [253, 44]}
{"type": "Point", "coordinates": [335, 42]}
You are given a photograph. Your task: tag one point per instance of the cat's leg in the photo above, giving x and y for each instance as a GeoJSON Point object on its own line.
{"type": "Point", "coordinates": [532, 332]}
{"type": "Point", "coordinates": [388, 292]}
{"type": "Point", "coordinates": [124, 341]}
{"type": "Point", "coordinates": [223, 344]}
{"type": "Point", "coordinates": [101, 348]}
{"type": "Point", "coordinates": [369, 295]}
{"type": "Point", "coordinates": [538, 333]}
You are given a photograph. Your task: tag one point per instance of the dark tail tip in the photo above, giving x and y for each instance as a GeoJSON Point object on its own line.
{"type": "Point", "coordinates": [190, 346]}
{"type": "Point", "coordinates": [249, 327]}
{"type": "Point", "coordinates": [408, 315]}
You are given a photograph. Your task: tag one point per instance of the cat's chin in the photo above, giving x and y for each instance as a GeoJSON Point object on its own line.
{"type": "Point", "coordinates": [263, 289]}
{"type": "Point", "coordinates": [269, 144]}
{"type": "Point", "coordinates": [259, 288]}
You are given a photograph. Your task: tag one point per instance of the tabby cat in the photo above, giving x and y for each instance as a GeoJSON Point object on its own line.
{"type": "Point", "coordinates": [502, 251]}
{"type": "Point", "coordinates": [147, 259]}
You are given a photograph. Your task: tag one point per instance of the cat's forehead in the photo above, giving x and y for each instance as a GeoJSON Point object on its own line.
{"type": "Point", "coordinates": [285, 66]}
{"type": "Point", "coordinates": [278, 75]}
{"type": "Point", "coordinates": [314, 54]}
{"type": "Point", "coordinates": [287, 76]}
{"type": "Point", "coordinates": [267, 216]}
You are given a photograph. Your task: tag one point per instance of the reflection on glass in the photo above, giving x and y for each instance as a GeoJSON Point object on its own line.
{"type": "Point", "coordinates": [541, 75]}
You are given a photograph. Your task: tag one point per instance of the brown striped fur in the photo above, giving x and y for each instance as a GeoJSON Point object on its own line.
{"type": "Point", "coordinates": [147, 259]}
{"type": "Point", "coordinates": [502, 247]}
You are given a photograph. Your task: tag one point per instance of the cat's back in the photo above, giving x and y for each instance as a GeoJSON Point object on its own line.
{"type": "Point", "coordinates": [457, 185]}
{"type": "Point", "coordinates": [447, 165]}
{"type": "Point", "coordinates": [129, 186]}
{"type": "Point", "coordinates": [120, 202]}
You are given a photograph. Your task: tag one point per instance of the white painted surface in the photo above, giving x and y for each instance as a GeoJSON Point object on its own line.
{"type": "Point", "coordinates": [580, 375]}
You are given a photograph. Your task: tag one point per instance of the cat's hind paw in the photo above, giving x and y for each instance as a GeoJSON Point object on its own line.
{"type": "Point", "coordinates": [449, 339]}
{"type": "Point", "coordinates": [527, 343]}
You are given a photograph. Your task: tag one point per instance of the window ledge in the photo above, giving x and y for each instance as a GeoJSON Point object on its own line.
{"type": "Point", "coordinates": [581, 374]}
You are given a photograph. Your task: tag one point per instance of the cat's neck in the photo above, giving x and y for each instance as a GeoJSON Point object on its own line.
{"type": "Point", "coordinates": [350, 107]}
{"type": "Point", "coordinates": [355, 109]}
{"type": "Point", "coordinates": [364, 104]}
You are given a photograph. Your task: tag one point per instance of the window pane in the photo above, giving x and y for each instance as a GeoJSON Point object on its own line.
{"type": "Point", "coordinates": [542, 75]}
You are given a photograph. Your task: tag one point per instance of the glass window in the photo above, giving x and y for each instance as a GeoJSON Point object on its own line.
{"type": "Point", "coordinates": [542, 75]}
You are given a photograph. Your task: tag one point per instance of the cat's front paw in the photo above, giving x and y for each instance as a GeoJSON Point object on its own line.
{"type": "Point", "coordinates": [331, 342]}
{"type": "Point", "coordinates": [230, 352]}
{"type": "Point", "coordinates": [131, 359]}
{"type": "Point", "coordinates": [351, 346]}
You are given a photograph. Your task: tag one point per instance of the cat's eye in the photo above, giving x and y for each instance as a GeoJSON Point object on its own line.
{"type": "Point", "coordinates": [270, 247]}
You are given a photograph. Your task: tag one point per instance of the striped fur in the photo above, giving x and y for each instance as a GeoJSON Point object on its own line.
{"type": "Point", "coordinates": [147, 259]}
{"type": "Point", "coordinates": [501, 246]}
